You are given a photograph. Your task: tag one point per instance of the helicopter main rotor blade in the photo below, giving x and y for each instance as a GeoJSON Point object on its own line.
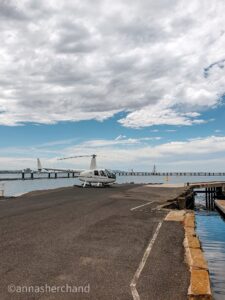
{"type": "Point", "coordinates": [76, 156]}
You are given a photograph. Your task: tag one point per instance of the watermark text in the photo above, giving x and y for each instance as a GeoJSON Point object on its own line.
{"type": "Point", "coordinates": [46, 288]}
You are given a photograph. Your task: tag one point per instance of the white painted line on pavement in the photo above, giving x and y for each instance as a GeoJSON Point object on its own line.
{"type": "Point", "coordinates": [141, 205]}
{"type": "Point", "coordinates": [142, 264]}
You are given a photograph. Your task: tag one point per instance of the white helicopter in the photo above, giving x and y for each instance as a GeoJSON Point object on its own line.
{"type": "Point", "coordinates": [93, 176]}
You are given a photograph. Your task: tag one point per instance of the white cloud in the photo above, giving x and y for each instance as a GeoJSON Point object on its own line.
{"type": "Point", "coordinates": [161, 62]}
{"type": "Point", "coordinates": [140, 154]}
{"type": "Point", "coordinates": [159, 114]}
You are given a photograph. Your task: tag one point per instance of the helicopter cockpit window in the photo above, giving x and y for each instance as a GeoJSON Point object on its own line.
{"type": "Point", "coordinates": [110, 174]}
{"type": "Point", "coordinates": [102, 173]}
{"type": "Point", "coordinates": [96, 172]}
{"type": "Point", "coordinates": [107, 172]}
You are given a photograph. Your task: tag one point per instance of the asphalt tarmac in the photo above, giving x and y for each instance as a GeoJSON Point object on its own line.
{"type": "Point", "coordinates": [88, 243]}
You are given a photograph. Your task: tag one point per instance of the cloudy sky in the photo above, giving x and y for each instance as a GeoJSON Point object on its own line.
{"type": "Point", "coordinates": [136, 82]}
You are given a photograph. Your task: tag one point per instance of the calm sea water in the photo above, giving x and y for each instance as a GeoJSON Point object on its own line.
{"type": "Point", "coordinates": [211, 231]}
{"type": "Point", "coordinates": [15, 188]}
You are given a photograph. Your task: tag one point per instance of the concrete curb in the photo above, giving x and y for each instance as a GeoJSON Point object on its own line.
{"type": "Point", "coordinates": [199, 287]}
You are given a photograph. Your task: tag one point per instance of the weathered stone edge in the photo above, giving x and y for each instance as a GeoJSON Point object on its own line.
{"type": "Point", "coordinates": [200, 281]}
{"type": "Point", "coordinates": [199, 287]}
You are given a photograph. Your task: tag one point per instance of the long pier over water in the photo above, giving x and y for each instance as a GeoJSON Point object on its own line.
{"type": "Point", "coordinates": [170, 173]}
{"type": "Point", "coordinates": [20, 175]}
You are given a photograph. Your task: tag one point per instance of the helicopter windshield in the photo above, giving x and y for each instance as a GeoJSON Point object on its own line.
{"type": "Point", "coordinates": [102, 173]}
{"type": "Point", "coordinates": [110, 174]}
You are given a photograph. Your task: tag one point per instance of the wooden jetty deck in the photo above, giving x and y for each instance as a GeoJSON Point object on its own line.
{"type": "Point", "coordinates": [214, 194]}
{"type": "Point", "coordinates": [213, 191]}
{"type": "Point", "coordinates": [205, 185]}
{"type": "Point", "coordinates": [220, 205]}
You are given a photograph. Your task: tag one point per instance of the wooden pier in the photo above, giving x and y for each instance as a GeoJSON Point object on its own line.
{"type": "Point", "coordinates": [20, 175]}
{"type": "Point", "coordinates": [121, 173]}
{"type": "Point", "coordinates": [37, 175]}
{"type": "Point", "coordinates": [212, 190]}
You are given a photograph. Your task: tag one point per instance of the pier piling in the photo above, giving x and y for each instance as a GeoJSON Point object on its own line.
{"type": "Point", "coordinates": [212, 190]}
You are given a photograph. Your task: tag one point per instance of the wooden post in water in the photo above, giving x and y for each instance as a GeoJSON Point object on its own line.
{"type": "Point", "coordinates": [55, 175]}
{"type": "Point", "coordinates": [68, 175]}
{"type": "Point", "coordinates": [211, 198]}
{"type": "Point", "coordinates": [214, 197]}
{"type": "Point", "coordinates": [49, 175]}
{"type": "Point", "coordinates": [32, 175]}
{"type": "Point", "coordinates": [219, 192]}
{"type": "Point", "coordinates": [23, 175]}
{"type": "Point", "coordinates": [206, 198]}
